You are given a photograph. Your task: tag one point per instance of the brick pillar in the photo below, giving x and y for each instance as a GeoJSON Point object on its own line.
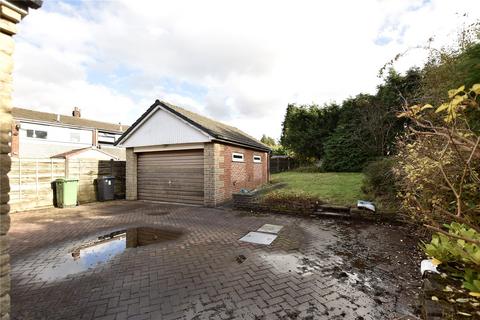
{"type": "Point", "coordinates": [10, 15]}
{"type": "Point", "coordinates": [213, 174]}
{"type": "Point", "coordinates": [131, 175]}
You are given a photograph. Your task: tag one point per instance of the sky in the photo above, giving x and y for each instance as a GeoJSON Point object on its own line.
{"type": "Point", "coordinates": [239, 62]}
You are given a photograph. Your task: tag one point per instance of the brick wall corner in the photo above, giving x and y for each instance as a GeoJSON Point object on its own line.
{"type": "Point", "coordinates": [131, 175]}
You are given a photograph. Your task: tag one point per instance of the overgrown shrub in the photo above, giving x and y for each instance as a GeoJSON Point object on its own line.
{"type": "Point", "coordinates": [438, 167]}
{"type": "Point", "coordinates": [379, 181]}
{"type": "Point", "coordinates": [438, 174]}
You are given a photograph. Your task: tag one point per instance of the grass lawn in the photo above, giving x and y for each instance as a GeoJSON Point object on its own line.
{"type": "Point", "coordinates": [342, 188]}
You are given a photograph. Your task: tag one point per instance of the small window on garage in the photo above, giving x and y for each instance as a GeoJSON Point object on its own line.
{"type": "Point", "coordinates": [40, 134]}
{"type": "Point", "coordinates": [237, 157]}
{"type": "Point", "coordinates": [257, 159]}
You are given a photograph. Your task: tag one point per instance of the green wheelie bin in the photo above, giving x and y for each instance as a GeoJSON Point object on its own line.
{"type": "Point", "coordinates": [66, 192]}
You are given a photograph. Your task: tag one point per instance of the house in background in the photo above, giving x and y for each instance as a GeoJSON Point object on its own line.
{"type": "Point", "coordinates": [85, 153]}
{"type": "Point", "coordinates": [174, 155]}
{"type": "Point", "coordinates": [38, 134]}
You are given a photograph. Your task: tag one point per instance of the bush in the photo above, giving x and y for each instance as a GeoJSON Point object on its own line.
{"type": "Point", "coordinates": [344, 151]}
{"type": "Point", "coordinates": [458, 255]}
{"type": "Point", "coordinates": [438, 172]}
{"type": "Point", "coordinates": [379, 182]}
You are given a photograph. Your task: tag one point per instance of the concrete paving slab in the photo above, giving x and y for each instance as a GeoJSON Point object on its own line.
{"type": "Point", "coordinates": [270, 228]}
{"type": "Point", "coordinates": [259, 238]}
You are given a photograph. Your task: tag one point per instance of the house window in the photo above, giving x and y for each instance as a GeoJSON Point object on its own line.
{"type": "Point", "coordinates": [237, 157]}
{"type": "Point", "coordinates": [257, 159]}
{"type": "Point", "coordinates": [39, 134]}
{"type": "Point", "coordinates": [108, 138]}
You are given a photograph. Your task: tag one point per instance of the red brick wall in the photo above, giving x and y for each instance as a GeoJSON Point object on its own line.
{"type": "Point", "coordinates": [242, 175]}
{"type": "Point", "coordinates": [15, 139]}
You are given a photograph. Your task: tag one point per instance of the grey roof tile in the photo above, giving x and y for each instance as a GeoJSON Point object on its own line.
{"type": "Point", "coordinates": [219, 131]}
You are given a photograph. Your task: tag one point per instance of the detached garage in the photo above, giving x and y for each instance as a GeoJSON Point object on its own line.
{"type": "Point", "coordinates": [174, 155]}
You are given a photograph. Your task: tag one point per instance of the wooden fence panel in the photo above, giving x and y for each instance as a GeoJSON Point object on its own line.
{"type": "Point", "coordinates": [31, 180]}
{"type": "Point", "coordinates": [87, 171]}
{"type": "Point", "coordinates": [280, 164]}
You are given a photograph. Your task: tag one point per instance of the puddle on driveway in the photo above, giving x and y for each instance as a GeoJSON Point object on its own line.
{"type": "Point", "coordinates": [285, 263]}
{"type": "Point", "coordinates": [104, 248]}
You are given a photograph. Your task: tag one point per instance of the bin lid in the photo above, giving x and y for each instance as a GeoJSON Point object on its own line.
{"type": "Point", "coordinates": [106, 177]}
{"type": "Point", "coordinates": [66, 180]}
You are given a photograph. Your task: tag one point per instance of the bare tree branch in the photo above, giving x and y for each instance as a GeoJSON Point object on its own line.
{"type": "Point", "coordinates": [455, 217]}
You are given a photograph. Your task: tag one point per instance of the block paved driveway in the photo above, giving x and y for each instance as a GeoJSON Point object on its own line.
{"type": "Point", "coordinates": [315, 269]}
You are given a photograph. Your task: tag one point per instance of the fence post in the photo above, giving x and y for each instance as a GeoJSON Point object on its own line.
{"type": "Point", "coordinates": [67, 169]}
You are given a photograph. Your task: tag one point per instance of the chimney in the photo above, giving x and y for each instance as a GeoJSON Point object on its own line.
{"type": "Point", "coordinates": [76, 112]}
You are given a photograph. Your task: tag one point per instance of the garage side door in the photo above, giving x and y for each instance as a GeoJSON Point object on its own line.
{"type": "Point", "coordinates": [171, 176]}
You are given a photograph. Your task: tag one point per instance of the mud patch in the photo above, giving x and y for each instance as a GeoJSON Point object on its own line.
{"type": "Point", "coordinates": [379, 260]}
{"type": "Point", "coordinates": [103, 249]}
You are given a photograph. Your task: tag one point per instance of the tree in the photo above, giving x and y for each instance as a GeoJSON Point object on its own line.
{"type": "Point", "coordinates": [368, 125]}
{"type": "Point", "coordinates": [306, 128]}
{"type": "Point", "coordinates": [269, 141]}
{"type": "Point", "coordinates": [349, 147]}
{"type": "Point", "coordinates": [362, 128]}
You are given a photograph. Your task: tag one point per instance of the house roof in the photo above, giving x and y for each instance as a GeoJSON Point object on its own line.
{"type": "Point", "coordinates": [25, 4]}
{"type": "Point", "coordinates": [73, 152]}
{"type": "Point", "coordinates": [27, 114]}
{"type": "Point", "coordinates": [217, 130]}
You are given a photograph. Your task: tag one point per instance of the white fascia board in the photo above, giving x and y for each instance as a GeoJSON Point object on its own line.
{"type": "Point", "coordinates": [169, 147]}
{"type": "Point", "coordinates": [124, 139]}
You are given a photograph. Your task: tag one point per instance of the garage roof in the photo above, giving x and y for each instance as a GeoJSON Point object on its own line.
{"type": "Point", "coordinates": [217, 130]}
{"type": "Point", "coordinates": [74, 152]}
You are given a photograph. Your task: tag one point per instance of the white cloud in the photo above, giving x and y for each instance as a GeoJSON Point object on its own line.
{"type": "Point", "coordinates": [241, 62]}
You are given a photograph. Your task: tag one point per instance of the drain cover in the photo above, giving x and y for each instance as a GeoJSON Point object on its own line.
{"type": "Point", "coordinates": [259, 237]}
{"type": "Point", "coordinates": [270, 228]}
{"type": "Point", "coordinates": [240, 258]}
